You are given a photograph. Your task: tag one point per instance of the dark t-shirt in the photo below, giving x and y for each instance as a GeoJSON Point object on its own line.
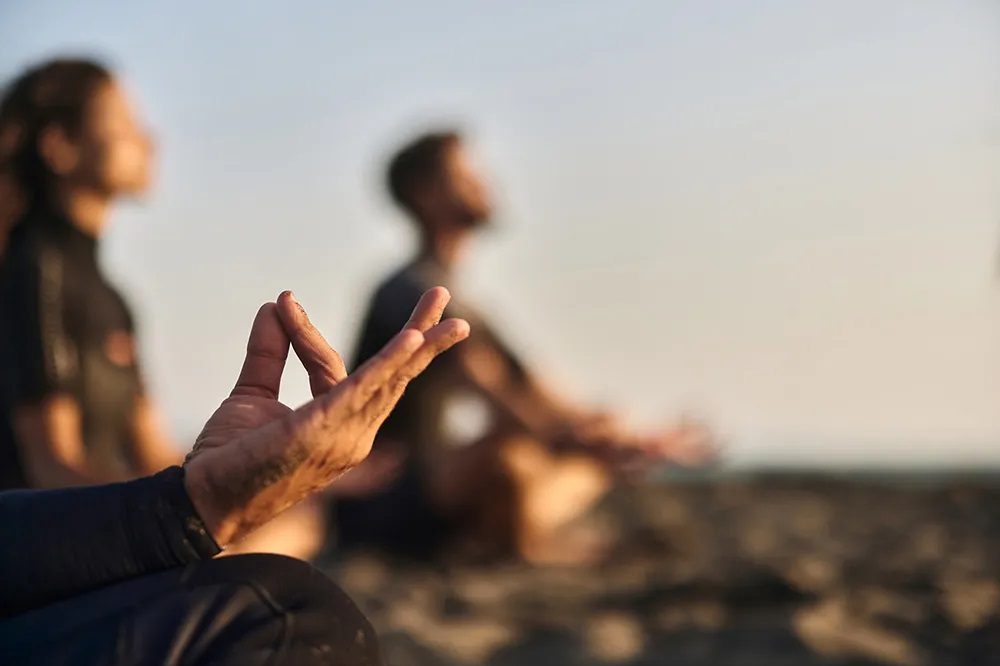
{"type": "Point", "coordinates": [400, 517]}
{"type": "Point", "coordinates": [65, 330]}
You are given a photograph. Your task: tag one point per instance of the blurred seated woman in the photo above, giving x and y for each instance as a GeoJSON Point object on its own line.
{"type": "Point", "coordinates": [73, 406]}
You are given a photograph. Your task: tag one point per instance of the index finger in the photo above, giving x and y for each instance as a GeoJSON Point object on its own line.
{"type": "Point", "coordinates": [323, 364]}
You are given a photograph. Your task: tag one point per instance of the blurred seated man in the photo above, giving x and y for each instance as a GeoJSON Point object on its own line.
{"type": "Point", "coordinates": [541, 462]}
{"type": "Point", "coordinates": [123, 573]}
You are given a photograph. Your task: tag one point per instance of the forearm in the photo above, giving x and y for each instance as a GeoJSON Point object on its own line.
{"type": "Point", "coordinates": [51, 446]}
{"type": "Point", "coordinates": [513, 391]}
{"type": "Point", "coordinates": [537, 410]}
{"type": "Point", "coordinates": [57, 543]}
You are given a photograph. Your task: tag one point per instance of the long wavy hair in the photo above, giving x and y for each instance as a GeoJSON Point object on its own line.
{"type": "Point", "coordinates": [53, 93]}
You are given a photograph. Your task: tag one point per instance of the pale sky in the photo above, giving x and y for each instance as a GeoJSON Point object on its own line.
{"type": "Point", "coordinates": [782, 215]}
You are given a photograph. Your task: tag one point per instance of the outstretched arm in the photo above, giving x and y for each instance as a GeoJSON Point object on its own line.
{"type": "Point", "coordinates": [521, 395]}
{"type": "Point", "coordinates": [490, 369]}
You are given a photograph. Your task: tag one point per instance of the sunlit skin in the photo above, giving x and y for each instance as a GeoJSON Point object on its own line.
{"type": "Point", "coordinates": [256, 457]}
{"type": "Point", "coordinates": [110, 157]}
{"type": "Point", "coordinates": [115, 145]}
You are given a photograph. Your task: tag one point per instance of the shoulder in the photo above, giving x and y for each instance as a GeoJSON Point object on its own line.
{"type": "Point", "coordinates": [388, 310]}
{"type": "Point", "coordinates": [396, 295]}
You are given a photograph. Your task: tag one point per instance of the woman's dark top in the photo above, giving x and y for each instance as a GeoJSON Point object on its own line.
{"type": "Point", "coordinates": [65, 330]}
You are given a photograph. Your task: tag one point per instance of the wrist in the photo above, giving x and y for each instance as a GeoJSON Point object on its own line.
{"type": "Point", "coordinates": [163, 500]}
{"type": "Point", "coordinates": [201, 492]}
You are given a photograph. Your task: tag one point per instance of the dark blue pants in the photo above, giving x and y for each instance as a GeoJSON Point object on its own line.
{"type": "Point", "coordinates": [248, 610]}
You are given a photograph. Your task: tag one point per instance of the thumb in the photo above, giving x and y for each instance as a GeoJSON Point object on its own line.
{"type": "Point", "coordinates": [267, 350]}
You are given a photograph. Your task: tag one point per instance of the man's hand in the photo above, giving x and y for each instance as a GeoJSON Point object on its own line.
{"type": "Point", "coordinates": [690, 443]}
{"type": "Point", "coordinates": [257, 457]}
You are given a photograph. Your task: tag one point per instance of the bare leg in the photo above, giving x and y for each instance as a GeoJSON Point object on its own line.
{"type": "Point", "coordinates": [517, 497]}
{"type": "Point", "coordinates": [554, 490]}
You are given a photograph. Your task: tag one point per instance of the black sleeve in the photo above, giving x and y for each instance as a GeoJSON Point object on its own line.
{"type": "Point", "coordinates": [40, 351]}
{"type": "Point", "coordinates": [58, 543]}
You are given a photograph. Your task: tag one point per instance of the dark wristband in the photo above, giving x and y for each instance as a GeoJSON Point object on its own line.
{"type": "Point", "coordinates": [183, 528]}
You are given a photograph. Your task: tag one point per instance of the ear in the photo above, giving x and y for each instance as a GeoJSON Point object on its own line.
{"type": "Point", "coordinates": [57, 150]}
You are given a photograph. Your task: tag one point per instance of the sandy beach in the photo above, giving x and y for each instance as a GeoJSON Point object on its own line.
{"type": "Point", "coordinates": [765, 569]}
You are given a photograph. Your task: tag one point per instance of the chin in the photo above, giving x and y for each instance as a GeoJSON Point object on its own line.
{"type": "Point", "coordinates": [135, 194]}
{"type": "Point", "coordinates": [139, 189]}
{"type": "Point", "coordinates": [479, 219]}
{"type": "Point", "coordinates": [478, 222]}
